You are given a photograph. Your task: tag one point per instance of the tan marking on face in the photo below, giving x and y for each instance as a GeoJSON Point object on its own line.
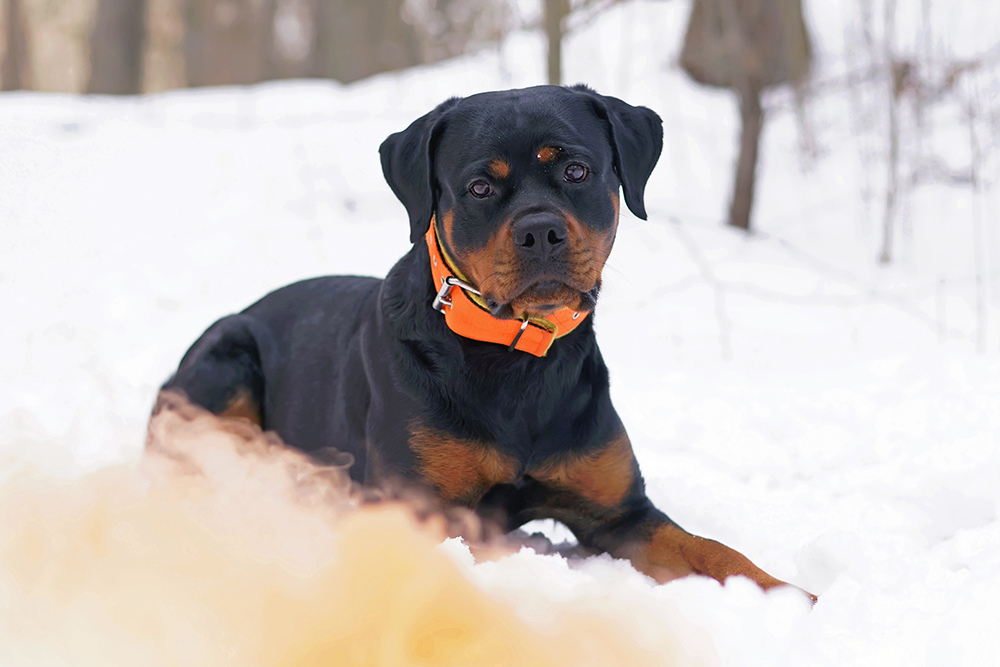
{"type": "Point", "coordinates": [588, 250]}
{"type": "Point", "coordinates": [448, 230]}
{"type": "Point", "coordinates": [499, 168]}
{"type": "Point", "coordinates": [489, 267]}
{"type": "Point", "coordinates": [461, 470]}
{"type": "Point", "coordinates": [496, 268]}
{"type": "Point", "coordinates": [548, 154]}
{"type": "Point", "coordinates": [242, 406]}
{"type": "Point", "coordinates": [603, 477]}
{"type": "Point", "coordinates": [534, 304]}
{"type": "Point", "coordinates": [468, 263]}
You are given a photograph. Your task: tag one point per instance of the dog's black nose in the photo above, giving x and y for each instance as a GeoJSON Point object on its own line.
{"type": "Point", "coordinates": [540, 235]}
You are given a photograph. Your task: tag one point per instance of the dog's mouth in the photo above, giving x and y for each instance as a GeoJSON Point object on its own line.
{"type": "Point", "coordinates": [542, 298]}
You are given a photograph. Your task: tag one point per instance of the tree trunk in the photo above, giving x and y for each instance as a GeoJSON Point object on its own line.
{"type": "Point", "coordinates": [746, 46]}
{"type": "Point", "coordinates": [555, 12]}
{"type": "Point", "coordinates": [885, 257]}
{"type": "Point", "coordinates": [355, 39]}
{"type": "Point", "coordinates": [228, 42]}
{"type": "Point", "coordinates": [118, 47]}
{"type": "Point", "coordinates": [752, 115]}
{"type": "Point", "coordinates": [15, 72]}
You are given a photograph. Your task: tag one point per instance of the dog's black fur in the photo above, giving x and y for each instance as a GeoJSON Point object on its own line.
{"type": "Point", "coordinates": [367, 366]}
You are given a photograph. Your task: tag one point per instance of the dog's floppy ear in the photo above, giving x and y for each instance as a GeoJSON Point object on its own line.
{"type": "Point", "coordinates": [408, 166]}
{"type": "Point", "coordinates": [637, 139]}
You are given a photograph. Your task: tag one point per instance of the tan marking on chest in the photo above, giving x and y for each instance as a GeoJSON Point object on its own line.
{"type": "Point", "coordinates": [603, 477]}
{"type": "Point", "coordinates": [462, 470]}
{"type": "Point", "coordinates": [242, 406]}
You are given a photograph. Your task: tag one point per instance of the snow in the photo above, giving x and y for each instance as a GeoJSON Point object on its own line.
{"type": "Point", "coordinates": [829, 417]}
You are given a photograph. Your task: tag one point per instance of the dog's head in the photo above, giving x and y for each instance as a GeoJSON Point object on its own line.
{"type": "Point", "coordinates": [524, 186]}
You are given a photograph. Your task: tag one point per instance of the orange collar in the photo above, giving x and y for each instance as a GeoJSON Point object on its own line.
{"type": "Point", "coordinates": [467, 315]}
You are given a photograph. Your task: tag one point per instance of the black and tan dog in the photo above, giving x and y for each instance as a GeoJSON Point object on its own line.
{"type": "Point", "coordinates": [472, 369]}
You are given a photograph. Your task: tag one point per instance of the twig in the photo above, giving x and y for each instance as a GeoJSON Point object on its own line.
{"type": "Point", "coordinates": [718, 289]}
{"type": "Point", "coordinates": [978, 233]}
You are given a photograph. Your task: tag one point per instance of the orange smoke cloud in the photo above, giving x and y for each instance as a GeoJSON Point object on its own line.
{"type": "Point", "coordinates": [225, 547]}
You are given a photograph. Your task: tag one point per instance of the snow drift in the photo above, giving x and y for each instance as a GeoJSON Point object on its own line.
{"type": "Point", "coordinates": [225, 547]}
{"type": "Point", "coordinates": [827, 417]}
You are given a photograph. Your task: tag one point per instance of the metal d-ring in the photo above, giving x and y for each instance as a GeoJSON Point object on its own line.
{"type": "Point", "coordinates": [447, 282]}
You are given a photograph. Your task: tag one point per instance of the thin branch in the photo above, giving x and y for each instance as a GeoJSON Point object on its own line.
{"type": "Point", "coordinates": [718, 289]}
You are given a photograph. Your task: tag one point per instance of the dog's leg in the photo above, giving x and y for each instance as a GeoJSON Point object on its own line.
{"type": "Point", "coordinates": [600, 497]}
{"type": "Point", "coordinates": [222, 371]}
{"type": "Point", "coordinates": [665, 551]}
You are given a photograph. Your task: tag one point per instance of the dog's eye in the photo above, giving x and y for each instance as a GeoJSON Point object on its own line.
{"type": "Point", "coordinates": [575, 173]}
{"type": "Point", "coordinates": [481, 189]}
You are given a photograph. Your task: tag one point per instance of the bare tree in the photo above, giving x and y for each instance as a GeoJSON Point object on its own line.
{"type": "Point", "coordinates": [118, 47]}
{"type": "Point", "coordinates": [979, 231]}
{"type": "Point", "coordinates": [294, 39]}
{"type": "Point", "coordinates": [899, 71]}
{"type": "Point", "coordinates": [227, 41]}
{"type": "Point", "coordinates": [359, 38]}
{"type": "Point", "coordinates": [555, 12]}
{"type": "Point", "coordinates": [15, 72]}
{"type": "Point", "coordinates": [746, 46]}
{"type": "Point", "coordinates": [449, 28]}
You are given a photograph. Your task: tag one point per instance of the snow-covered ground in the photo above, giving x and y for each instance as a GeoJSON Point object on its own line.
{"type": "Point", "coordinates": [826, 416]}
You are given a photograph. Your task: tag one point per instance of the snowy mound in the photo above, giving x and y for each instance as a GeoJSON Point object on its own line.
{"type": "Point", "coordinates": [826, 417]}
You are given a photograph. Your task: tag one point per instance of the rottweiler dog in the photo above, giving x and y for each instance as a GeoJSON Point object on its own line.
{"type": "Point", "coordinates": [472, 369]}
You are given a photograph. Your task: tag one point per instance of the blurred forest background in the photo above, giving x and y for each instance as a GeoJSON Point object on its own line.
{"type": "Point", "coordinates": [898, 65]}
{"type": "Point", "coordinates": [135, 46]}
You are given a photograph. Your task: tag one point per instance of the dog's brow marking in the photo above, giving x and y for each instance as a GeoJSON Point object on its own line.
{"type": "Point", "coordinates": [548, 154]}
{"type": "Point", "coordinates": [499, 168]}
{"type": "Point", "coordinates": [603, 477]}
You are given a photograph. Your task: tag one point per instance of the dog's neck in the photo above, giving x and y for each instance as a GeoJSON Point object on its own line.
{"type": "Point", "coordinates": [467, 315]}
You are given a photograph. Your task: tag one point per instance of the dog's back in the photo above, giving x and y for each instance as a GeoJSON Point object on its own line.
{"type": "Point", "coordinates": [292, 362]}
